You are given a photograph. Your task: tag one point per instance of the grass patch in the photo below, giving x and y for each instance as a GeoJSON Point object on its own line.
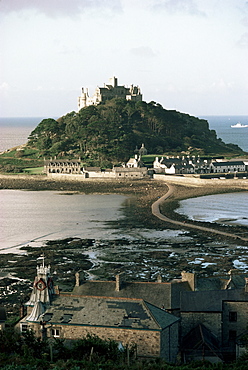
{"type": "Point", "coordinates": [21, 159]}
{"type": "Point", "coordinates": [34, 170]}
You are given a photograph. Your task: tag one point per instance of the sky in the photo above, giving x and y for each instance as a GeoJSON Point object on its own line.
{"type": "Point", "coordinates": [188, 55]}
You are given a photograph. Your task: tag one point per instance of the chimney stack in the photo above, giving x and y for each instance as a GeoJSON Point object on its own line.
{"type": "Point", "coordinates": [119, 278]}
{"type": "Point", "coordinates": [190, 278]}
{"type": "Point", "coordinates": [159, 279]}
{"type": "Point", "coordinates": [77, 277]}
{"type": "Point", "coordinates": [246, 285]}
{"type": "Point", "coordinates": [56, 290]}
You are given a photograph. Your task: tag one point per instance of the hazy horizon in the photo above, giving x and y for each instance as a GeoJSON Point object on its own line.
{"type": "Point", "coordinates": [187, 55]}
{"type": "Point", "coordinates": [201, 116]}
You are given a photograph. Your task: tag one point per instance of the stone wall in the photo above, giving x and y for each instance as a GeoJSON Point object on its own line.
{"type": "Point", "coordinates": [195, 180]}
{"type": "Point", "coordinates": [236, 321]}
{"type": "Point", "coordinates": [212, 321]}
{"type": "Point", "coordinates": [170, 343]}
{"type": "Point", "coordinates": [148, 342]}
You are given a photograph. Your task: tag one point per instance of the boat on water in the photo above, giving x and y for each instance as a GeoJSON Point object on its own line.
{"type": "Point", "coordinates": [239, 125]}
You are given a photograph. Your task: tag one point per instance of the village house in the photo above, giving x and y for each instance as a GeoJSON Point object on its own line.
{"type": "Point", "coordinates": [173, 165]}
{"type": "Point", "coordinates": [134, 162]}
{"type": "Point", "coordinates": [109, 91]}
{"type": "Point", "coordinates": [134, 168]}
{"type": "Point", "coordinates": [196, 165]}
{"type": "Point", "coordinates": [195, 317]}
{"type": "Point", "coordinates": [130, 172]}
{"type": "Point", "coordinates": [218, 310]}
{"type": "Point", "coordinates": [227, 166]}
{"type": "Point", "coordinates": [72, 170]}
{"type": "Point", "coordinates": [129, 321]}
{"type": "Point", "coordinates": [62, 166]}
{"type": "Point", "coordinates": [213, 310]}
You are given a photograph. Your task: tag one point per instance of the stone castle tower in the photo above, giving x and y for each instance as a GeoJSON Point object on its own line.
{"type": "Point", "coordinates": [109, 91]}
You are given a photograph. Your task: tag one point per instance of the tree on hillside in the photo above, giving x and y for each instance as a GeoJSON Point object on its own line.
{"type": "Point", "coordinates": [110, 131]}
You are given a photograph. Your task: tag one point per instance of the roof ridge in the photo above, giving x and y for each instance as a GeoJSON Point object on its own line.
{"type": "Point", "coordinates": [102, 297]}
{"type": "Point", "coordinates": [129, 282]}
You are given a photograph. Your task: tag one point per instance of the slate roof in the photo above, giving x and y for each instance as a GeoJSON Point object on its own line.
{"type": "Point", "coordinates": [236, 282]}
{"type": "Point", "coordinates": [210, 283]}
{"type": "Point", "coordinates": [107, 312]}
{"type": "Point", "coordinates": [233, 281]}
{"type": "Point", "coordinates": [210, 301]}
{"type": "Point", "coordinates": [230, 163]}
{"type": "Point", "coordinates": [165, 295]}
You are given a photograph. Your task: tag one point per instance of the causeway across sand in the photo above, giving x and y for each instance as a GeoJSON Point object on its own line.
{"type": "Point", "coordinates": [156, 212]}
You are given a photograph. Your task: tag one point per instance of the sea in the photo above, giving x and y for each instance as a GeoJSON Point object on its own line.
{"type": "Point", "coordinates": [222, 126]}
{"type": "Point", "coordinates": [229, 208]}
{"type": "Point", "coordinates": [28, 217]}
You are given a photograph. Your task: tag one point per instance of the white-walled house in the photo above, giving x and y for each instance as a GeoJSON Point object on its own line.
{"type": "Point", "coordinates": [228, 166]}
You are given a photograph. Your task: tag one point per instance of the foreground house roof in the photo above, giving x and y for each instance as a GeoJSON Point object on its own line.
{"type": "Point", "coordinates": [133, 314]}
{"type": "Point", "coordinates": [160, 294]}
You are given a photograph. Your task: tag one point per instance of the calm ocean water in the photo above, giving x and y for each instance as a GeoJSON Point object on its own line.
{"type": "Point", "coordinates": [36, 216]}
{"type": "Point", "coordinates": [32, 217]}
{"type": "Point", "coordinates": [222, 126]}
{"type": "Point", "coordinates": [15, 131]}
{"type": "Point", "coordinates": [223, 208]}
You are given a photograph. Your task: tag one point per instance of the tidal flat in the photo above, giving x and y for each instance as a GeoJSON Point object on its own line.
{"type": "Point", "coordinates": [154, 247]}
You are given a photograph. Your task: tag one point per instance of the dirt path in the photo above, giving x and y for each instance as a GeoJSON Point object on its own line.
{"type": "Point", "coordinates": [156, 212]}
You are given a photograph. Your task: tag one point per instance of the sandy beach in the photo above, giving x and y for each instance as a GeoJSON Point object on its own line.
{"type": "Point", "coordinates": [141, 193]}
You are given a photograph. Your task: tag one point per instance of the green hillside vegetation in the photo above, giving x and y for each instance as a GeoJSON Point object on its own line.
{"type": "Point", "coordinates": [21, 160]}
{"type": "Point", "coordinates": [109, 133]}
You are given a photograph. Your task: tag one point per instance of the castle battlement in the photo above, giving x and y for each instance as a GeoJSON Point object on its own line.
{"type": "Point", "coordinates": [109, 91]}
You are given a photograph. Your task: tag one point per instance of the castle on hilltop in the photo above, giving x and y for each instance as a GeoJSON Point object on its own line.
{"type": "Point", "coordinates": [109, 91]}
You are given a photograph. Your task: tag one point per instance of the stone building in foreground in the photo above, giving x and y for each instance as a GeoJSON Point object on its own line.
{"type": "Point", "coordinates": [126, 320]}
{"type": "Point", "coordinates": [196, 318]}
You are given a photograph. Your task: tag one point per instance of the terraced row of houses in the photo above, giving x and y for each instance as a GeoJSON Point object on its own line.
{"type": "Point", "coordinates": [197, 165]}
{"type": "Point", "coordinates": [135, 167]}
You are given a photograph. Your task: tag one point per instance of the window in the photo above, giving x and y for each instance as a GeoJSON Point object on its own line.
{"type": "Point", "coordinates": [55, 332]}
{"type": "Point", "coordinates": [232, 316]}
{"type": "Point", "coordinates": [232, 335]}
{"type": "Point", "coordinates": [24, 328]}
